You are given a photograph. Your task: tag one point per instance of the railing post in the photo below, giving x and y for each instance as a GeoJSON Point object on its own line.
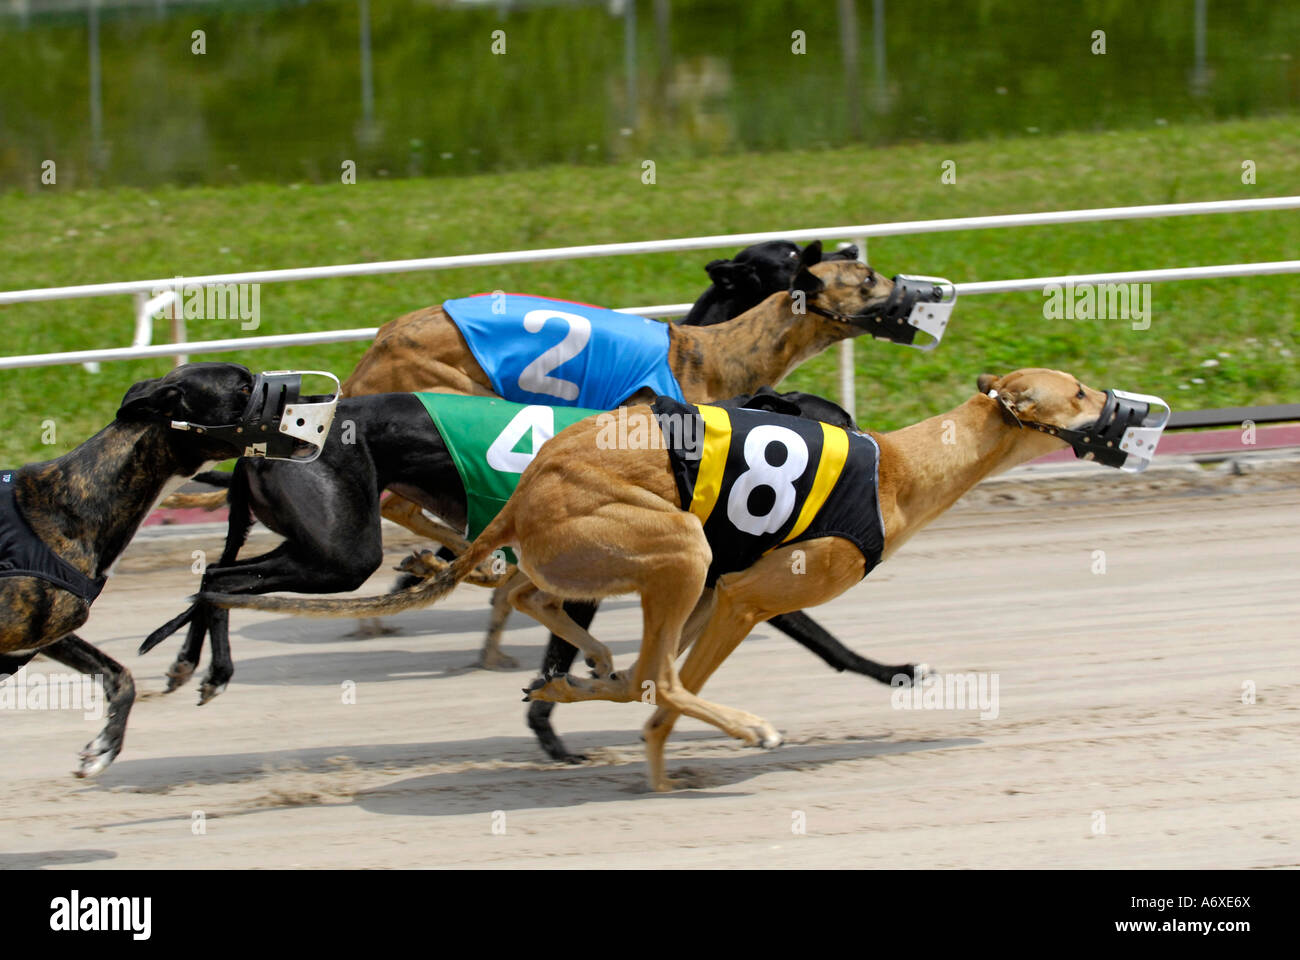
{"type": "Point", "coordinates": [177, 315]}
{"type": "Point", "coordinates": [848, 365]}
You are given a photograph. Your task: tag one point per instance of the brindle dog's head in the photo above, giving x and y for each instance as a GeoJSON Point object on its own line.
{"type": "Point", "coordinates": [1052, 398]}
{"type": "Point", "coordinates": [204, 393]}
{"type": "Point", "coordinates": [851, 290]}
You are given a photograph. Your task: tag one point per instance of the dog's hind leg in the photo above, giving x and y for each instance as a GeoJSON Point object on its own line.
{"type": "Point", "coordinates": [548, 610]}
{"type": "Point", "coordinates": [556, 663]}
{"type": "Point", "coordinates": [222, 667]}
{"type": "Point", "coordinates": [187, 660]}
{"type": "Point", "coordinates": [118, 687]}
{"type": "Point", "coordinates": [491, 657]}
{"type": "Point", "coordinates": [805, 630]}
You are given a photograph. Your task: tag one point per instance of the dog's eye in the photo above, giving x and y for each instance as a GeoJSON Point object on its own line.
{"type": "Point", "coordinates": [871, 279]}
{"type": "Point", "coordinates": [1081, 395]}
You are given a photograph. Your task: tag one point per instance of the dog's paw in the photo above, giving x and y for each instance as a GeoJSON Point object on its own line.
{"type": "Point", "coordinates": [210, 691]}
{"type": "Point", "coordinates": [97, 755]}
{"type": "Point", "coordinates": [763, 735]}
{"type": "Point", "coordinates": [496, 660]}
{"type": "Point", "coordinates": [178, 674]}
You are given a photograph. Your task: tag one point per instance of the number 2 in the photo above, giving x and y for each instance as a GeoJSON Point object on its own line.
{"type": "Point", "coordinates": [535, 378]}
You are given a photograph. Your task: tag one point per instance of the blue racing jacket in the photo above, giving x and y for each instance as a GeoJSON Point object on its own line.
{"type": "Point", "coordinates": [560, 353]}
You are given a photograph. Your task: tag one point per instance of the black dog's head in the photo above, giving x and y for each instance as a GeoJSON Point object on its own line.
{"type": "Point", "coordinates": [751, 277]}
{"type": "Point", "coordinates": [795, 404]}
{"type": "Point", "coordinates": [210, 393]}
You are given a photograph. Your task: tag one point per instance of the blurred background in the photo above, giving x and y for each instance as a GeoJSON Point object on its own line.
{"type": "Point", "coordinates": [761, 115]}
{"type": "Point", "coordinates": [411, 88]}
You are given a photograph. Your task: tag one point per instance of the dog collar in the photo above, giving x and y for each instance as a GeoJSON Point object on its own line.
{"type": "Point", "coordinates": [278, 423]}
{"type": "Point", "coordinates": [1123, 436]}
{"type": "Point", "coordinates": [914, 304]}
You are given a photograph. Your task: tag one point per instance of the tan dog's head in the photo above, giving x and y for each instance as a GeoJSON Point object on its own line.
{"type": "Point", "coordinates": [1114, 428]}
{"type": "Point", "coordinates": [1050, 397]}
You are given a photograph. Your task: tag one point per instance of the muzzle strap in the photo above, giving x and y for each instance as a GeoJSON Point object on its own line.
{"type": "Point", "coordinates": [914, 304]}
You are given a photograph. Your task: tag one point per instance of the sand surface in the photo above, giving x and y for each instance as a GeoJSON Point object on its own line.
{"type": "Point", "coordinates": [1121, 739]}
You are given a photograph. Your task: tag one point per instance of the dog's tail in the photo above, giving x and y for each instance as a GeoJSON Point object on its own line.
{"type": "Point", "coordinates": [189, 501]}
{"type": "Point", "coordinates": [429, 591]}
{"type": "Point", "coordinates": [206, 501]}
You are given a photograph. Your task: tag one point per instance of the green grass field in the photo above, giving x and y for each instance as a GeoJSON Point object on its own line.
{"type": "Point", "coordinates": [1246, 327]}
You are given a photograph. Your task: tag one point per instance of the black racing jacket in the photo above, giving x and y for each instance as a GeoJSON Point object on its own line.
{"type": "Point", "coordinates": [760, 480]}
{"type": "Point", "coordinates": [24, 554]}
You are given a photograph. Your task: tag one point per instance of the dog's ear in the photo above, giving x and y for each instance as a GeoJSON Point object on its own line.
{"type": "Point", "coordinates": [768, 399]}
{"type": "Point", "coordinates": [730, 275]}
{"type": "Point", "coordinates": [984, 382]}
{"type": "Point", "coordinates": [151, 400]}
{"type": "Point", "coordinates": [804, 279]}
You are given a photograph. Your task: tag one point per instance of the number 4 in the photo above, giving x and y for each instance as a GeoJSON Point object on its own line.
{"type": "Point", "coordinates": [502, 455]}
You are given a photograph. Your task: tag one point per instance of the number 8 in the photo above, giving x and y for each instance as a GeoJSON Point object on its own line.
{"type": "Point", "coordinates": [762, 474]}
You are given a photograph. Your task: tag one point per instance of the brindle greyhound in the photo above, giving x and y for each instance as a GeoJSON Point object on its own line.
{"type": "Point", "coordinates": [397, 447]}
{"type": "Point", "coordinates": [86, 506]}
{"type": "Point", "coordinates": [591, 521]}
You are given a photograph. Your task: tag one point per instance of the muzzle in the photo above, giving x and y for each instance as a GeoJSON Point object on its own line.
{"type": "Point", "coordinates": [1124, 436]}
{"type": "Point", "coordinates": [279, 423]}
{"type": "Point", "coordinates": [915, 304]}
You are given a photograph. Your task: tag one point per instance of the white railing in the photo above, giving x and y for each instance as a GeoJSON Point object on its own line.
{"type": "Point", "coordinates": [146, 308]}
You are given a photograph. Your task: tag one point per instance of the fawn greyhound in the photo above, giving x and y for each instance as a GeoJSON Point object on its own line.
{"type": "Point", "coordinates": [591, 519]}
{"type": "Point", "coordinates": [64, 522]}
{"type": "Point", "coordinates": [420, 445]}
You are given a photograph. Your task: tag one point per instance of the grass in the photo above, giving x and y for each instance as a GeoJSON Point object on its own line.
{"type": "Point", "coordinates": [1247, 327]}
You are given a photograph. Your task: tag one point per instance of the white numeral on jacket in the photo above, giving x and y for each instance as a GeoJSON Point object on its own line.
{"type": "Point", "coordinates": [762, 474]}
{"type": "Point", "coordinates": [502, 455]}
{"type": "Point", "coordinates": [535, 378]}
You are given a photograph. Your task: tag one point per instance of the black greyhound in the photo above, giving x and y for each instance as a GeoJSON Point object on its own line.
{"type": "Point", "coordinates": [64, 522]}
{"type": "Point", "coordinates": [329, 513]}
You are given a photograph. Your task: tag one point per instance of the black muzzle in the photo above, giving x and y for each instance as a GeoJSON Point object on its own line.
{"type": "Point", "coordinates": [278, 422]}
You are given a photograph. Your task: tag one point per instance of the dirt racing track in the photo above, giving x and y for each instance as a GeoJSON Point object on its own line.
{"type": "Point", "coordinates": [1125, 734]}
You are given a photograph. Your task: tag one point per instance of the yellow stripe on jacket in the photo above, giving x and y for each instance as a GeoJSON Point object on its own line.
{"type": "Point", "coordinates": [835, 450]}
{"type": "Point", "coordinates": [713, 460]}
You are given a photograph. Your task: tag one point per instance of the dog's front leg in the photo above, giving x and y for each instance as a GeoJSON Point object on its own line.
{"type": "Point", "coordinates": [118, 687]}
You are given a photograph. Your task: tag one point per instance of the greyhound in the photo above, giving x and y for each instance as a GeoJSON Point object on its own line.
{"type": "Point", "coordinates": [396, 446]}
{"type": "Point", "coordinates": [426, 350]}
{"type": "Point", "coordinates": [63, 523]}
{"type": "Point", "coordinates": [591, 519]}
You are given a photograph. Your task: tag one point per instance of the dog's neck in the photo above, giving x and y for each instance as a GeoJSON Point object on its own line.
{"type": "Point", "coordinates": [756, 349]}
{"type": "Point", "coordinates": [926, 467]}
{"type": "Point", "coordinates": [87, 504]}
